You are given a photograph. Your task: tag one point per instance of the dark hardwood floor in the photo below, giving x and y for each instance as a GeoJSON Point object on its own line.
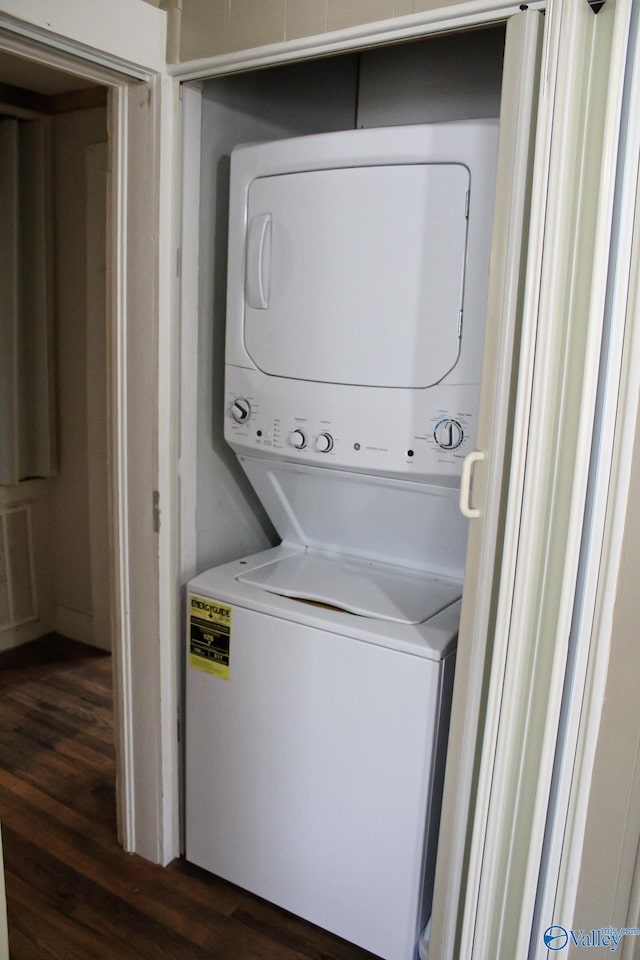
{"type": "Point", "coordinates": [72, 894]}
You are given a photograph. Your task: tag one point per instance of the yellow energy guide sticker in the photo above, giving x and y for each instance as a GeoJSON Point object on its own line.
{"type": "Point", "coordinates": [209, 636]}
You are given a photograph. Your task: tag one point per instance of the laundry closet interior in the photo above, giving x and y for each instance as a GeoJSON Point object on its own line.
{"type": "Point", "coordinates": [443, 79]}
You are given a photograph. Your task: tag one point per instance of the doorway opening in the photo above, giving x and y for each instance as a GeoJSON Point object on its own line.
{"type": "Point", "coordinates": [54, 497]}
{"type": "Point", "coordinates": [138, 306]}
{"type": "Point", "coordinates": [378, 87]}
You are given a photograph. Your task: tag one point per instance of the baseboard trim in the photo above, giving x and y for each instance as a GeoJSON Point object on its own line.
{"type": "Point", "coordinates": [25, 633]}
{"type": "Point", "coordinates": [73, 624]}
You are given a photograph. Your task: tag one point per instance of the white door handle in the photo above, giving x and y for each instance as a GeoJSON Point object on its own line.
{"type": "Point", "coordinates": [258, 263]}
{"type": "Point", "coordinates": [476, 456]}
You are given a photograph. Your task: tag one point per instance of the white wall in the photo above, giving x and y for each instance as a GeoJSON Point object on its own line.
{"type": "Point", "coordinates": [204, 29]}
{"type": "Point", "coordinates": [431, 81]}
{"type": "Point", "coordinates": [70, 545]}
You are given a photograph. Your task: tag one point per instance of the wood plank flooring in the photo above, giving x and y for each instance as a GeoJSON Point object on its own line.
{"type": "Point", "coordinates": [72, 894]}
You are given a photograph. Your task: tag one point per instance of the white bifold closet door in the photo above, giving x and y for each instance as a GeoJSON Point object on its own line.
{"type": "Point", "coordinates": [26, 302]}
{"type": "Point", "coordinates": [553, 220]}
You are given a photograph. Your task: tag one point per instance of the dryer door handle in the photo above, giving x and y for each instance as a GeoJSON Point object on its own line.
{"type": "Point", "coordinates": [476, 456]}
{"type": "Point", "coordinates": [258, 265]}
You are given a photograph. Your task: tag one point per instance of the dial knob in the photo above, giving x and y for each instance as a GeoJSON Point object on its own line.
{"type": "Point", "coordinates": [240, 410]}
{"type": "Point", "coordinates": [448, 434]}
{"type": "Point", "coordinates": [298, 440]}
{"type": "Point", "coordinates": [323, 443]}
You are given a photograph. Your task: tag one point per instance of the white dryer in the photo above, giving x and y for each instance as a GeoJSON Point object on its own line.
{"type": "Point", "coordinates": [319, 673]}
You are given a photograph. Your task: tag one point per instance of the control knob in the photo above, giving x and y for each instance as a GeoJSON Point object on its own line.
{"type": "Point", "coordinates": [323, 443]}
{"type": "Point", "coordinates": [298, 439]}
{"type": "Point", "coordinates": [240, 410]}
{"type": "Point", "coordinates": [448, 434]}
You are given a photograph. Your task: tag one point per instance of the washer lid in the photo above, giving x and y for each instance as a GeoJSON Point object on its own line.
{"type": "Point", "coordinates": [356, 275]}
{"type": "Point", "coordinates": [398, 524]}
{"type": "Point", "coordinates": [375, 590]}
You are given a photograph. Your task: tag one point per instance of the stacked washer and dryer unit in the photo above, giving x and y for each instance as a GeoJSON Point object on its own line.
{"type": "Point", "coordinates": [319, 673]}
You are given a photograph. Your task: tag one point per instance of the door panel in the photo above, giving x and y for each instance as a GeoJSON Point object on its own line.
{"type": "Point", "coordinates": [532, 605]}
{"type": "Point", "coordinates": [388, 314]}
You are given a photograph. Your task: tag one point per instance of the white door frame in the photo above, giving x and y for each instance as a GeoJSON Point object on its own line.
{"type": "Point", "coordinates": [89, 41]}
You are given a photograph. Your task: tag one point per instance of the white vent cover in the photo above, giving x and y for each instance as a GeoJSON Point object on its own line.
{"type": "Point", "coordinates": [17, 582]}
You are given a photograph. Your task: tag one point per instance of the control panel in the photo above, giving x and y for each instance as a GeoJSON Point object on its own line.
{"type": "Point", "coordinates": [419, 434]}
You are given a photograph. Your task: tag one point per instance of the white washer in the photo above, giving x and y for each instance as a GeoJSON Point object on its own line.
{"type": "Point", "coordinates": [315, 746]}
{"type": "Point", "coordinates": [319, 673]}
